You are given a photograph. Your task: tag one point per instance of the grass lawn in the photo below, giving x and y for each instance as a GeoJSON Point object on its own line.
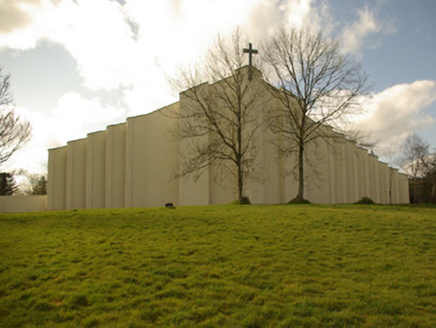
{"type": "Point", "coordinates": [220, 266]}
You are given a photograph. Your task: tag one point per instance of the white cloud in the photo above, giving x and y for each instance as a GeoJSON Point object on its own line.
{"type": "Point", "coordinates": [13, 15]}
{"type": "Point", "coordinates": [113, 43]}
{"type": "Point", "coordinates": [134, 47]}
{"type": "Point", "coordinates": [137, 45]}
{"type": "Point", "coordinates": [356, 35]}
{"type": "Point", "coordinates": [73, 118]}
{"type": "Point", "coordinates": [397, 112]}
{"type": "Point", "coordinates": [77, 116]}
{"type": "Point", "coordinates": [98, 37]}
{"type": "Point", "coordinates": [267, 16]}
{"type": "Point", "coordinates": [32, 20]}
{"type": "Point", "coordinates": [298, 12]}
{"type": "Point", "coordinates": [116, 45]}
{"type": "Point", "coordinates": [311, 14]}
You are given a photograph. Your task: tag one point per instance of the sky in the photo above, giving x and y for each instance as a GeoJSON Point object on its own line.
{"type": "Point", "coordinates": [77, 66]}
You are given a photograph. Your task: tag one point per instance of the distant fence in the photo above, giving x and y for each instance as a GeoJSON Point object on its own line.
{"type": "Point", "coordinates": [18, 204]}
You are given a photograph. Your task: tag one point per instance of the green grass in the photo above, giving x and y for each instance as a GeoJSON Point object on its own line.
{"type": "Point", "coordinates": [220, 266]}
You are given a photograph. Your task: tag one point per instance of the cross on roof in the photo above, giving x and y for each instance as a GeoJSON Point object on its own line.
{"type": "Point", "coordinates": [250, 52]}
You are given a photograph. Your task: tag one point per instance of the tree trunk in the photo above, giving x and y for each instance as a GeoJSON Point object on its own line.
{"type": "Point", "coordinates": [240, 185]}
{"type": "Point", "coordinates": [300, 194]}
{"type": "Point", "coordinates": [239, 154]}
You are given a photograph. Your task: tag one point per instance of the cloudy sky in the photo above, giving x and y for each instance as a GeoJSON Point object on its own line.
{"type": "Point", "coordinates": [79, 65]}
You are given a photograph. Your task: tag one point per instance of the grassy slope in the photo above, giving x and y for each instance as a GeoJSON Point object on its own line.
{"type": "Point", "coordinates": [230, 266]}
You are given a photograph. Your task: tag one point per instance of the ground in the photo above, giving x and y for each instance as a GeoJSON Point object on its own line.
{"type": "Point", "coordinates": [212, 266]}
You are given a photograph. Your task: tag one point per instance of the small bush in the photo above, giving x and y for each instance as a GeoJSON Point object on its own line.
{"type": "Point", "coordinates": [365, 201]}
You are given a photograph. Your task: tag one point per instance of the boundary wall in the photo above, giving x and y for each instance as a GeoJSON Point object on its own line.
{"type": "Point", "coordinates": [21, 204]}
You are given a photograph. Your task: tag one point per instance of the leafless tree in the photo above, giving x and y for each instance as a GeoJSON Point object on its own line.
{"type": "Point", "coordinates": [38, 183]}
{"type": "Point", "coordinates": [219, 119]}
{"type": "Point", "coordinates": [414, 149]}
{"type": "Point", "coordinates": [429, 164]}
{"type": "Point", "coordinates": [420, 163]}
{"type": "Point", "coordinates": [316, 86]}
{"type": "Point", "coordinates": [14, 133]}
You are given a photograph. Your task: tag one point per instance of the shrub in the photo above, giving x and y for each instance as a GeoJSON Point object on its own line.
{"type": "Point", "coordinates": [365, 201]}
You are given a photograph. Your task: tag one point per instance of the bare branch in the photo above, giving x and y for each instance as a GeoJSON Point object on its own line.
{"type": "Point", "coordinates": [218, 120]}
{"type": "Point", "coordinates": [317, 87]}
{"type": "Point", "coordinates": [14, 133]}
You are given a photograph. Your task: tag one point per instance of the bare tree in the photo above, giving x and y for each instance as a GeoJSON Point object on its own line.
{"type": "Point", "coordinates": [430, 174]}
{"type": "Point", "coordinates": [38, 183]}
{"type": "Point", "coordinates": [14, 133]}
{"type": "Point", "coordinates": [219, 119]}
{"type": "Point", "coordinates": [316, 86]}
{"type": "Point", "coordinates": [414, 148]}
{"type": "Point", "coordinates": [420, 164]}
{"type": "Point", "coordinates": [8, 185]}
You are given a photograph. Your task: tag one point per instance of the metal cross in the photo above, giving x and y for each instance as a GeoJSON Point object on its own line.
{"type": "Point", "coordinates": [250, 52]}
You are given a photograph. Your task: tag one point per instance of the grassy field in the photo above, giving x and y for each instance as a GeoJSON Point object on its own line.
{"type": "Point", "coordinates": [220, 266]}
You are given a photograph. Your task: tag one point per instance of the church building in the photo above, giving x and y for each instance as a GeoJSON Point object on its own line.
{"type": "Point", "coordinates": [135, 164]}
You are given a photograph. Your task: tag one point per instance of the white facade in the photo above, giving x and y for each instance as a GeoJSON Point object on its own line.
{"type": "Point", "coordinates": [134, 164]}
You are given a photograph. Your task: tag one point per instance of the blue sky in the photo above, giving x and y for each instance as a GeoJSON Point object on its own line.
{"type": "Point", "coordinates": [78, 66]}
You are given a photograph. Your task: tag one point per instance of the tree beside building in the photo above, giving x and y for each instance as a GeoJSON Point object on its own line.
{"type": "Point", "coordinates": [8, 185]}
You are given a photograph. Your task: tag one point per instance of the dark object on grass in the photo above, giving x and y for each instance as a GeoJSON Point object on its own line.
{"type": "Point", "coordinates": [365, 201]}
{"type": "Point", "coordinates": [170, 206]}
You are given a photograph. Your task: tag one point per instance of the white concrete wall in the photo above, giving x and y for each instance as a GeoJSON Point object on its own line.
{"type": "Point", "coordinates": [21, 204]}
{"type": "Point", "coordinates": [96, 170]}
{"type": "Point", "coordinates": [372, 178]}
{"type": "Point", "coordinates": [404, 197]}
{"type": "Point", "coordinates": [57, 178]}
{"type": "Point", "coordinates": [393, 187]}
{"type": "Point", "coordinates": [221, 190]}
{"type": "Point", "coordinates": [194, 192]}
{"type": "Point", "coordinates": [290, 177]}
{"type": "Point", "coordinates": [316, 172]}
{"type": "Point", "coordinates": [271, 167]}
{"type": "Point", "coordinates": [384, 183]}
{"type": "Point", "coordinates": [260, 185]}
{"type": "Point", "coordinates": [76, 174]}
{"type": "Point", "coordinates": [340, 172]}
{"type": "Point", "coordinates": [115, 166]}
{"type": "Point", "coordinates": [352, 174]}
{"type": "Point", "coordinates": [151, 160]}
